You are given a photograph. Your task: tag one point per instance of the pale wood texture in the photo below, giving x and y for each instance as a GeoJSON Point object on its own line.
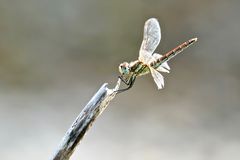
{"type": "Point", "coordinates": [83, 121]}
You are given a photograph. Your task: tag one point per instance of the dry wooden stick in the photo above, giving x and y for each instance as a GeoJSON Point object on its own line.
{"type": "Point", "coordinates": [83, 122]}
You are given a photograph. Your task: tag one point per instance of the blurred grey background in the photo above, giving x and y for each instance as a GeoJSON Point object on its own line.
{"type": "Point", "coordinates": [55, 54]}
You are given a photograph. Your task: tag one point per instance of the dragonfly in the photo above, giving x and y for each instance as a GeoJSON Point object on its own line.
{"type": "Point", "coordinates": [149, 61]}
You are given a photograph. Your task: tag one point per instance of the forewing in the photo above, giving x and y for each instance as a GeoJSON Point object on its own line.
{"type": "Point", "coordinates": [151, 37]}
{"type": "Point", "coordinates": [158, 78]}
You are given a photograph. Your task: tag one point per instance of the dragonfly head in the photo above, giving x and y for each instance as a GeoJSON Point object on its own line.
{"type": "Point", "coordinates": [124, 68]}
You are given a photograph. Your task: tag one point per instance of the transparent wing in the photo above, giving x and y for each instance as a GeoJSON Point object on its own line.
{"type": "Point", "coordinates": [158, 78]}
{"type": "Point", "coordinates": [151, 39]}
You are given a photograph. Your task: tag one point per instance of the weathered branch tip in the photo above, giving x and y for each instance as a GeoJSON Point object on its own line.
{"type": "Point", "coordinates": [84, 120]}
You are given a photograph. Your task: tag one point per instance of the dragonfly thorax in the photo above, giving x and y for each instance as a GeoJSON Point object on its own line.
{"type": "Point", "coordinates": [134, 67]}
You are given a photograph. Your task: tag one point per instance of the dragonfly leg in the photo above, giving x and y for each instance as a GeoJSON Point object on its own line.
{"type": "Point", "coordinates": [130, 84]}
{"type": "Point", "coordinates": [123, 80]}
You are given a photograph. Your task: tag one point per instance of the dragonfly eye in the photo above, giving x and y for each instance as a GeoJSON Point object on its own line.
{"type": "Point", "coordinates": [124, 68]}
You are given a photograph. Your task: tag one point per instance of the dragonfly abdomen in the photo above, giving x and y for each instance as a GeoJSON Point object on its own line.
{"type": "Point", "coordinates": [169, 55]}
